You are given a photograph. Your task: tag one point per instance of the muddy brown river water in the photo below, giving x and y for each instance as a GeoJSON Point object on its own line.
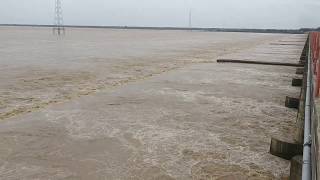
{"type": "Point", "coordinates": [143, 104]}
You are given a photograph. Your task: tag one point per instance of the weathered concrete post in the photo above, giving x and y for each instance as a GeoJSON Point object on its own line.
{"type": "Point", "coordinates": [285, 150]}
{"type": "Point", "coordinates": [296, 168]}
{"type": "Point", "coordinates": [297, 81]}
{"type": "Point", "coordinates": [300, 71]}
{"type": "Point", "coordinates": [292, 102]}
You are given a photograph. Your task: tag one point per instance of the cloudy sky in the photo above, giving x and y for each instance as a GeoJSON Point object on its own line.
{"type": "Point", "coordinates": [205, 13]}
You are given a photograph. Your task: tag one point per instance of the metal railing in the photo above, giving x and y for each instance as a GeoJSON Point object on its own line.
{"type": "Point", "coordinates": [306, 166]}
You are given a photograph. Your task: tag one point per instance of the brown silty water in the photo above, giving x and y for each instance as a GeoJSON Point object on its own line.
{"type": "Point", "coordinates": [142, 104]}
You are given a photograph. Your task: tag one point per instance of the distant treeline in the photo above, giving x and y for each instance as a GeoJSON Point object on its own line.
{"type": "Point", "coordinates": [287, 31]}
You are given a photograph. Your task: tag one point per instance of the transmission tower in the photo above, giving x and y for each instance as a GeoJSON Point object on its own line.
{"type": "Point", "coordinates": [58, 19]}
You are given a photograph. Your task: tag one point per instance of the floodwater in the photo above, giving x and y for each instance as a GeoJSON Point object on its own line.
{"type": "Point", "coordinates": [143, 104]}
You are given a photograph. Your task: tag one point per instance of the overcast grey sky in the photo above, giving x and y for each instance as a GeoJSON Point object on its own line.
{"type": "Point", "coordinates": [206, 13]}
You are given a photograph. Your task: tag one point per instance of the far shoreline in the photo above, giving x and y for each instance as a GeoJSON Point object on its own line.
{"type": "Point", "coordinates": [282, 31]}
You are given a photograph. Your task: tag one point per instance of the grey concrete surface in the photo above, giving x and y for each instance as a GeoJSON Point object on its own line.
{"type": "Point", "coordinates": [186, 117]}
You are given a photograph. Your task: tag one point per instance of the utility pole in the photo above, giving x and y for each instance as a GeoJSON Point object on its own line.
{"type": "Point", "coordinates": [189, 7]}
{"type": "Point", "coordinates": [190, 18]}
{"type": "Point", "coordinates": [58, 19]}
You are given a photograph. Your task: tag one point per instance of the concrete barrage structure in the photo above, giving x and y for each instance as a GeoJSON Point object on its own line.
{"type": "Point", "coordinates": [315, 59]}
{"type": "Point", "coordinates": [310, 167]}
{"type": "Point", "coordinates": [304, 152]}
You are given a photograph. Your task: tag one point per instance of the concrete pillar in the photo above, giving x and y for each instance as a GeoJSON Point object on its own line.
{"type": "Point", "coordinates": [285, 150]}
{"type": "Point", "coordinates": [296, 168]}
{"type": "Point", "coordinates": [297, 82]}
{"type": "Point", "coordinates": [300, 71]}
{"type": "Point", "coordinates": [292, 102]}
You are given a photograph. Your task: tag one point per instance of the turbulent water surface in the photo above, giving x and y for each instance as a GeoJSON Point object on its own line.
{"type": "Point", "coordinates": [143, 104]}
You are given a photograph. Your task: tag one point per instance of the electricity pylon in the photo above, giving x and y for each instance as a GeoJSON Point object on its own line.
{"type": "Point", "coordinates": [58, 19]}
